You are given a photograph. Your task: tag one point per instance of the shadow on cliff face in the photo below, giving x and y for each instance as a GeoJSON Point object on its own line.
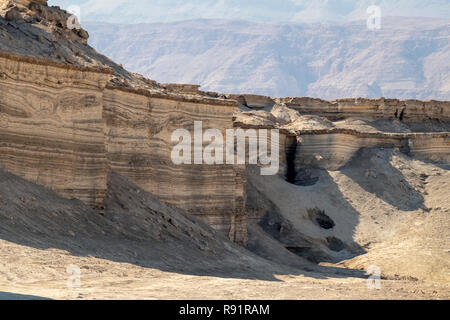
{"type": "Point", "coordinates": [372, 170]}
{"type": "Point", "coordinates": [301, 226]}
{"type": "Point", "coordinates": [133, 228]}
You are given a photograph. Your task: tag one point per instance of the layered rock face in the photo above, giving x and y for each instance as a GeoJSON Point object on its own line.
{"type": "Point", "coordinates": [66, 130]}
{"type": "Point", "coordinates": [332, 151]}
{"type": "Point", "coordinates": [69, 116]}
{"type": "Point", "coordinates": [139, 146]}
{"type": "Point", "coordinates": [339, 171]}
{"type": "Point", "coordinates": [323, 134]}
{"type": "Point", "coordinates": [369, 109]}
{"type": "Point", "coordinates": [372, 109]}
{"type": "Point", "coordinates": [52, 127]}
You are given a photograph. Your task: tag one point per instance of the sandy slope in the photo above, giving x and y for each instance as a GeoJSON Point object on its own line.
{"type": "Point", "coordinates": [390, 211]}
{"type": "Point", "coordinates": [141, 248]}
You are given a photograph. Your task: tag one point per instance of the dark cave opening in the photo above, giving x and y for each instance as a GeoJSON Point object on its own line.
{"type": "Point", "coordinates": [299, 177]}
{"type": "Point", "coordinates": [291, 152]}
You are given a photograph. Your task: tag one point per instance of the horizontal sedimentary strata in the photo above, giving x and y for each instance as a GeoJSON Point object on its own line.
{"type": "Point", "coordinates": [315, 141]}
{"type": "Point", "coordinates": [370, 109]}
{"type": "Point", "coordinates": [49, 63]}
{"type": "Point", "coordinates": [435, 148]}
{"type": "Point", "coordinates": [138, 141]}
{"type": "Point", "coordinates": [333, 149]}
{"type": "Point", "coordinates": [40, 34]}
{"type": "Point", "coordinates": [174, 96]}
{"type": "Point", "coordinates": [51, 127]}
{"type": "Point", "coordinates": [65, 128]}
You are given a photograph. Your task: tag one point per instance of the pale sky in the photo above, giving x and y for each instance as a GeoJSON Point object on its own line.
{"type": "Point", "coordinates": [285, 11]}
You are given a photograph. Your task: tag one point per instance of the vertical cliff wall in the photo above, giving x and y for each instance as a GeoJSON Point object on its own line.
{"type": "Point", "coordinates": [52, 126]}
{"type": "Point", "coordinates": [334, 149]}
{"type": "Point", "coordinates": [64, 128]}
{"type": "Point", "coordinates": [139, 127]}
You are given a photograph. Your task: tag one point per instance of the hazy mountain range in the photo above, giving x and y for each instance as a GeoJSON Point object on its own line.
{"type": "Point", "coordinates": [409, 58]}
{"type": "Point", "coordinates": [337, 11]}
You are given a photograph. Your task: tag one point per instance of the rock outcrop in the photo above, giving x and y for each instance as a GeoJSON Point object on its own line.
{"type": "Point", "coordinates": [66, 121]}
{"type": "Point", "coordinates": [52, 127]}
{"type": "Point", "coordinates": [69, 116]}
{"type": "Point", "coordinates": [324, 134]}
{"type": "Point", "coordinates": [138, 146]}
{"type": "Point", "coordinates": [370, 109]}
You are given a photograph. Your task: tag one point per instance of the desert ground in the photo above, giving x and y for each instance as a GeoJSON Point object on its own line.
{"type": "Point", "coordinates": [103, 279]}
{"type": "Point", "coordinates": [139, 248]}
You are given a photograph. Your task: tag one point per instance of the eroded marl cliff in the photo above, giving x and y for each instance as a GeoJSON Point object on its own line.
{"type": "Point", "coordinates": [327, 134]}
{"type": "Point", "coordinates": [68, 116]}
{"type": "Point", "coordinates": [350, 180]}
{"type": "Point", "coordinates": [67, 120]}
